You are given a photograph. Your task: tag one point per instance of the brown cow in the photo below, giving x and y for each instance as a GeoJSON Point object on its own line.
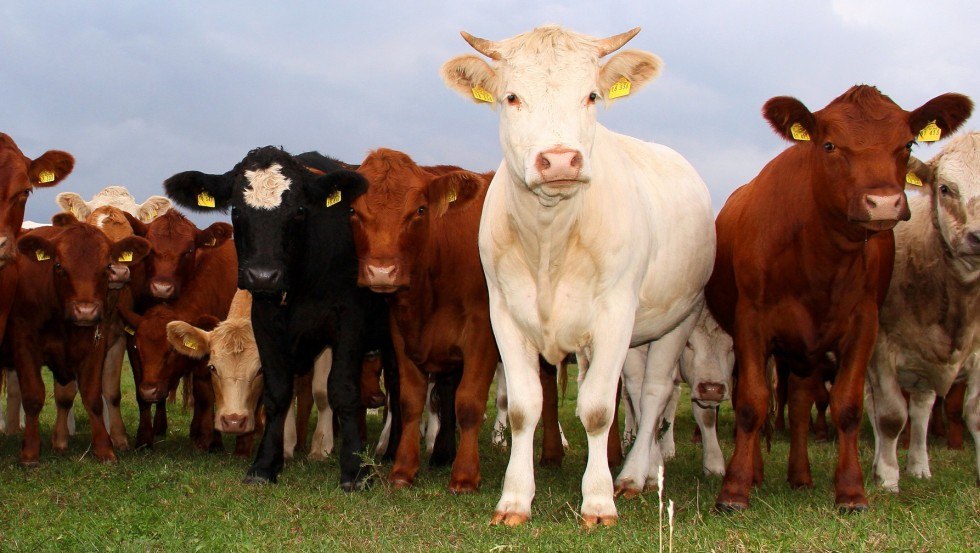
{"type": "Point", "coordinates": [58, 320]}
{"type": "Point", "coordinates": [207, 292]}
{"type": "Point", "coordinates": [415, 232]}
{"type": "Point", "coordinates": [805, 253]}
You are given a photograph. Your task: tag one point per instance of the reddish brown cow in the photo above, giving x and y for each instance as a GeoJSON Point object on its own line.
{"type": "Point", "coordinates": [805, 254]}
{"type": "Point", "coordinates": [206, 294]}
{"type": "Point", "coordinates": [415, 231]}
{"type": "Point", "coordinates": [58, 320]}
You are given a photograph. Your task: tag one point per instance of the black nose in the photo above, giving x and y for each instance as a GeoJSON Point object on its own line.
{"type": "Point", "coordinates": [263, 279]}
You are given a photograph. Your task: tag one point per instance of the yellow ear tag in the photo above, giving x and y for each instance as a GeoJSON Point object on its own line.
{"type": "Point", "coordinates": [41, 255]}
{"type": "Point", "coordinates": [74, 211]}
{"type": "Point", "coordinates": [450, 196]}
{"type": "Point", "coordinates": [799, 132]}
{"type": "Point", "coordinates": [210, 243]}
{"type": "Point", "coordinates": [130, 330]}
{"type": "Point", "coordinates": [205, 200]}
{"type": "Point", "coordinates": [913, 179]}
{"type": "Point", "coordinates": [620, 88]}
{"type": "Point", "coordinates": [482, 94]}
{"type": "Point", "coordinates": [930, 133]}
{"type": "Point", "coordinates": [125, 257]}
{"type": "Point", "coordinates": [190, 343]}
{"type": "Point", "coordinates": [45, 176]}
{"type": "Point", "coordinates": [333, 199]}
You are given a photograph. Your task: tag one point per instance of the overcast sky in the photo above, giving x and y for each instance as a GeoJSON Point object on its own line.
{"type": "Point", "coordinates": [138, 91]}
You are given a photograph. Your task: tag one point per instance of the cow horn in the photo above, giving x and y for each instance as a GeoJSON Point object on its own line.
{"type": "Point", "coordinates": [486, 47]}
{"type": "Point", "coordinates": [613, 43]}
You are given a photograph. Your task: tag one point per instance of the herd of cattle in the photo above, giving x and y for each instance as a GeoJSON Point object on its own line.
{"type": "Point", "coordinates": [584, 245]}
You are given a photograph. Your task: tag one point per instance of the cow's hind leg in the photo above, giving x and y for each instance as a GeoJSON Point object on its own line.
{"type": "Point", "coordinates": [64, 398]}
{"type": "Point", "coordinates": [971, 412]}
{"type": "Point", "coordinates": [713, 462]}
{"type": "Point", "coordinates": [111, 373]}
{"type": "Point", "coordinates": [800, 403]}
{"type": "Point", "coordinates": [920, 407]}
{"type": "Point", "coordinates": [888, 412]}
{"type": "Point", "coordinates": [953, 407]}
{"type": "Point", "coordinates": [322, 444]}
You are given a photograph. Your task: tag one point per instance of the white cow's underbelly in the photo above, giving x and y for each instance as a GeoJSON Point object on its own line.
{"type": "Point", "coordinates": [916, 372]}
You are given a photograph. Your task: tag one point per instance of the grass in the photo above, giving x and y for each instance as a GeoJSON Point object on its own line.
{"type": "Point", "coordinates": [176, 499]}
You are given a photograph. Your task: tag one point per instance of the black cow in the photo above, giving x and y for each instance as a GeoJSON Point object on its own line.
{"type": "Point", "coordinates": [296, 255]}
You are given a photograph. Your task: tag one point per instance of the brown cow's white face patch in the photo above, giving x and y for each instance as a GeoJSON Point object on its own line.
{"type": "Point", "coordinates": [265, 187]}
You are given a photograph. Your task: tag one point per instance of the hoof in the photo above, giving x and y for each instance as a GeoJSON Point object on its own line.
{"type": "Point", "coordinates": [400, 483]}
{"type": "Point", "coordinates": [731, 506]}
{"type": "Point", "coordinates": [509, 519]}
{"type": "Point", "coordinates": [801, 484]}
{"type": "Point", "coordinates": [458, 488]}
{"type": "Point", "coordinates": [29, 463]}
{"type": "Point", "coordinates": [256, 479]}
{"type": "Point", "coordinates": [109, 459]}
{"type": "Point", "coordinates": [626, 492]}
{"type": "Point", "coordinates": [550, 462]}
{"type": "Point", "coordinates": [591, 521]}
{"type": "Point", "coordinates": [318, 456]}
{"type": "Point", "coordinates": [356, 485]}
{"type": "Point", "coordinates": [847, 508]}
{"type": "Point", "coordinates": [59, 449]}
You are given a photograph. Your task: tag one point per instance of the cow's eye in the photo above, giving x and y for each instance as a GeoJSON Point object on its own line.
{"type": "Point", "coordinates": [512, 99]}
{"type": "Point", "coordinates": [909, 145]}
{"type": "Point", "coordinates": [944, 190]}
{"type": "Point", "coordinates": [593, 97]}
{"type": "Point", "coordinates": [25, 194]}
{"type": "Point", "coordinates": [829, 146]}
{"type": "Point", "coordinates": [420, 210]}
{"type": "Point", "coordinates": [212, 369]}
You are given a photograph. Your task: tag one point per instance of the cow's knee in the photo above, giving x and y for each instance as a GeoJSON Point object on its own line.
{"type": "Point", "coordinates": [595, 419]}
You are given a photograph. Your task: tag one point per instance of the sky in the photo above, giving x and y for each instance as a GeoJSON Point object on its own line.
{"type": "Point", "coordinates": [138, 91]}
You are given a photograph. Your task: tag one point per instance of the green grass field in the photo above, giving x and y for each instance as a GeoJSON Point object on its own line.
{"type": "Point", "coordinates": [176, 499]}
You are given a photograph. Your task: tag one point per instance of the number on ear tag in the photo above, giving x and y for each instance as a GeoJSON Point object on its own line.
{"type": "Point", "coordinates": [205, 200]}
{"type": "Point", "coordinates": [930, 133]}
{"type": "Point", "coordinates": [125, 257]}
{"type": "Point", "coordinates": [45, 176]}
{"type": "Point", "coordinates": [333, 199]}
{"type": "Point", "coordinates": [190, 343]}
{"type": "Point", "coordinates": [620, 88]}
{"type": "Point", "coordinates": [130, 330]}
{"type": "Point", "coordinates": [913, 179]}
{"type": "Point", "coordinates": [450, 196]}
{"type": "Point", "coordinates": [482, 95]}
{"type": "Point", "coordinates": [799, 132]}
{"type": "Point", "coordinates": [41, 255]}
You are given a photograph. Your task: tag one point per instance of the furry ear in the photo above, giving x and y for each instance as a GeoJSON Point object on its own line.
{"type": "Point", "coordinates": [139, 228]}
{"type": "Point", "coordinates": [200, 191]}
{"type": "Point", "coordinates": [71, 202]}
{"type": "Point", "coordinates": [213, 236]}
{"type": "Point", "coordinates": [920, 172]}
{"type": "Point", "coordinates": [189, 340]}
{"type": "Point", "coordinates": [949, 111]}
{"type": "Point", "coordinates": [454, 191]}
{"type": "Point", "coordinates": [636, 66]}
{"type": "Point", "coordinates": [466, 73]}
{"type": "Point", "coordinates": [784, 113]}
{"type": "Point", "coordinates": [35, 248]}
{"type": "Point", "coordinates": [130, 250]}
{"type": "Point", "coordinates": [51, 168]}
{"type": "Point", "coordinates": [336, 190]}
{"type": "Point", "coordinates": [63, 220]}
{"type": "Point", "coordinates": [153, 207]}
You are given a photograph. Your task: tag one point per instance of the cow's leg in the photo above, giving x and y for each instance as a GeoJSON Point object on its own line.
{"type": "Point", "coordinates": [614, 446]}
{"type": "Point", "coordinates": [937, 422]}
{"type": "Point", "coordinates": [821, 398]}
{"type": "Point", "coordinates": [633, 369]}
{"type": "Point", "coordinates": [646, 397]}
{"type": "Point", "coordinates": [971, 411]}
{"type": "Point", "coordinates": [782, 396]}
{"type": "Point", "coordinates": [289, 433]}
{"type": "Point", "coordinates": [552, 452]}
{"type": "Point", "coordinates": [413, 395]}
{"type": "Point", "coordinates": [888, 412]}
{"type": "Point", "coordinates": [32, 395]}
{"type": "Point", "coordinates": [64, 398]}
{"type": "Point", "coordinates": [90, 388]}
{"type": "Point", "coordinates": [667, 446]}
{"type": "Point", "coordinates": [713, 460]}
{"type": "Point", "coordinates": [111, 374]}
{"type": "Point", "coordinates": [322, 444]}
{"type": "Point", "coordinates": [498, 436]}
{"type": "Point", "coordinates": [392, 386]}
{"type": "Point", "coordinates": [14, 403]}
{"type": "Point", "coordinates": [800, 399]}
{"type": "Point", "coordinates": [385, 434]}
{"type": "Point", "coordinates": [343, 390]}
{"type": "Point", "coordinates": [271, 337]}
{"type": "Point", "coordinates": [304, 406]}
{"type": "Point", "coordinates": [160, 418]}
{"type": "Point", "coordinates": [953, 407]}
{"type": "Point", "coordinates": [206, 438]}
{"type": "Point", "coordinates": [920, 407]}
{"type": "Point", "coordinates": [479, 366]}
{"type": "Point", "coordinates": [751, 401]}
{"type": "Point", "coordinates": [441, 425]}
{"type": "Point", "coordinates": [630, 421]}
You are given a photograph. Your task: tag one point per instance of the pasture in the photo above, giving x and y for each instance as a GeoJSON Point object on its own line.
{"type": "Point", "coordinates": [174, 498]}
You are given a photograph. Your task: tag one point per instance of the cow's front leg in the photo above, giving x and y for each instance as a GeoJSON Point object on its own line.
{"type": "Point", "coordinates": [343, 391]}
{"type": "Point", "coordinates": [322, 445]}
{"type": "Point", "coordinates": [971, 411]}
{"type": "Point", "coordinates": [479, 366]}
{"type": "Point", "coordinates": [888, 411]}
{"type": "Point", "coordinates": [111, 392]}
{"type": "Point", "coordinates": [920, 408]}
{"type": "Point", "coordinates": [64, 399]}
{"type": "Point", "coordinates": [713, 461]}
{"type": "Point", "coordinates": [271, 338]}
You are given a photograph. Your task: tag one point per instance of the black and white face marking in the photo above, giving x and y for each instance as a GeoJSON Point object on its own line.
{"type": "Point", "coordinates": [265, 187]}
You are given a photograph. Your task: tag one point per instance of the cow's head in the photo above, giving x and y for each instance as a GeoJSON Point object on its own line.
{"type": "Point", "coordinates": [547, 83]}
{"type": "Point", "coordinates": [81, 259]}
{"type": "Point", "coordinates": [114, 196]}
{"type": "Point", "coordinates": [175, 241]}
{"type": "Point", "coordinates": [278, 205]}
{"type": "Point", "coordinates": [860, 144]}
{"type": "Point", "coordinates": [236, 371]}
{"type": "Point", "coordinates": [19, 175]}
{"type": "Point", "coordinates": [952, 179]}
{"type": "Point", "coordinates": [707, 362]}
{"type": "Point", "coordinates": [391, 221]}
{"type": "Point", "coordinates": [113, 223]}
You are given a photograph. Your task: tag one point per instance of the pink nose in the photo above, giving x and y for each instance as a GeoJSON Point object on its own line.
{"type": "Point", "coordinates": [233, 424]}
{"type": "Point", "coordinates": [886, 208]}
{"type": "Point", "coordinates": [380, 275]}
{"type": "Point", "coordinates": [85, 313]}
{"type": "Point", "coordinates": [162, 289]}
{"type": "Point", "coordinates": [118, 276]}
{"type": "Point", "coordinates": [713, 392]}
{"type": "Point", "coordinates": [559, 164]}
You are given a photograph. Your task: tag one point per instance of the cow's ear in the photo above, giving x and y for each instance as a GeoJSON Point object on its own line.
{"type": "Point", "coordinates": [153, 207]}
{"type": "Point", "coordinates": [472, 77]}
{"type": "Point", "coordinates": [189, 340]}
{"type": "Point", "coordinates": [213, 236]}
{"type": "Point", "coordinates": [35, 248]}
{"type": "Point", "coordinates": [336, 189]}
{"type": "Point", "coordinates": [200, 191]}
{"type": "Point", "coordinates": [51, 168]}
{"type": "Point", "coordinates": [139, 227]}
{"type": "Point", "coordinates": [627, 72]}
{"type": "Point", "coordinates": [948, 111]}
{"type": "Point", "coordinates": [919, 175]}
{"type": "Point", "coordinates": [130, 250]}
{"type": "Point", "coordinates": [63, 219]}
{"type": "Point", "coordinates": [454, 191]}
{"type": "Point", "coordinates": [790, 118]}
{"type": "Point", "coordinates": [70, 202]}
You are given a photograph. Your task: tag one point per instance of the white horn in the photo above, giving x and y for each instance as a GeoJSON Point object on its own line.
{"type": "Point", "coordinates": [486, 47]}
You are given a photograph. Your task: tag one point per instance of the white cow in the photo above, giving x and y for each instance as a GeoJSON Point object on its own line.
{"type": "Point", "coordinates": [116, 196]}
{"type": "Point", "coordinates": [929, 333]}
{"type": "Point", "coordinates": [591, 242]}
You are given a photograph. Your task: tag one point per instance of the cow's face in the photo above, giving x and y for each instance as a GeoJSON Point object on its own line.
{"type": "Point", "coordinates": [391, 221]}
{"type": "Point", "coordinates": [113, 223]}
{"type": "Point", "coordinates": [236, 370]}
{"type": "Point", "coordinates": [81, 260]}
{"type": "Point", "coordinates": [860, 145]}
{"type": "Point", "coordinates": [113, 196]}
{"type": "Point", "coordinates": [161, 365]}
{"type": "Point", "coordinates": [176, 241]}
{"type": "Point", "coordinates": [18, 177]}
{"type": "Point", "coordinates": [953, 181]}
{"type": "Point", "coordinates": [707, 362]}
{"type": "Point", "coordinates": [547, 83]}
{"type": "Point", "coordinates": [278, 206]}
